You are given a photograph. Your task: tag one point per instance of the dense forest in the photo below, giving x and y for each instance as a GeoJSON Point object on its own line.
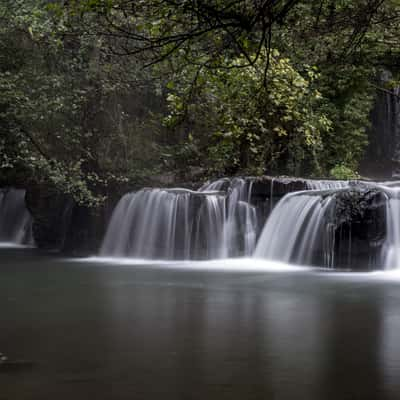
{"type": "Point", "coordinates": [98, 93]}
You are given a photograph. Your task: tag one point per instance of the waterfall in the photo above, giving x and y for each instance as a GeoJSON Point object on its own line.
{"type": "Point", "coordinates": [240, 223]}
{"type": "Point", "coordinates": [391, 249]}
{"type": "Point", "coordinates": [331, 223]}
{"type": "Point", "coordinates": [15, 220]}
{"type": "Point", "coordinates": [326, 184]}
{"type": "Point", "coordinates": [299, 228]}
{"type": "Point", "coordinates": [302, 228]}
{"type": "Point", "coordinates": [296, 229]}
{"type": "Point", "coordinates": [145, 225]}
{"type": "Point", "coordinates": [217, 221]}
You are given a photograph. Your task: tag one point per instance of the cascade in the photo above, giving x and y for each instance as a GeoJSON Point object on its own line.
{"type": "Point", "coordinates": [217, 221]}
{"type": "Point", "coordinates": [391, 250]}
{"type": "Point", "coordinates": [301, 228]}
{"type": "Point", "coordinates": [240, 223]}
{"type": "Point", "coordinates": [326, 184]}
{"type": "Point", "coordinates": [329, 223]}
{"type": "Point", "coordinates": [297, 228]}
{"type": "Point", "coordinates": [15, 220]}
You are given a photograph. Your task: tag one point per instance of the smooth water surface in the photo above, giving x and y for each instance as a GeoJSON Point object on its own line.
{"type": "Point", "coordinates": [102, 331]}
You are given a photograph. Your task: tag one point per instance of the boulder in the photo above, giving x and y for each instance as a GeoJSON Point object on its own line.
{"type": "Point", "coordinates": [62, 225]}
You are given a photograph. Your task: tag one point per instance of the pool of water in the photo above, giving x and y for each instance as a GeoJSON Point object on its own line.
{"type": "Point", "coordinates": [106, 329]}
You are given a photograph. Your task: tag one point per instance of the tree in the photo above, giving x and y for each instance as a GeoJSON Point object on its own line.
{"type": "Point", "coordinates": [65, 105]}
{"type": "Point", "coordinates": [251, 128]}
{"type": "Point", "coordinates": [347, 41]}
{"type": "Point", "coordinates": [103, 91]}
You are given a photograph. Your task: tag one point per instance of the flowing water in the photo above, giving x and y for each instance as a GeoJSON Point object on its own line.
{"type": "Point", "coordinates": [301, 227]}
{"type": "Point", "coordinates": [391, 249]}
{"type": "Point", "coordinates": [297, 225]}
{"type": "Point", "coordinates": [15, 220]}
{"type": "Point", "coordinates": [218, 221]}
{"type": "Point", "coordinates": [314, 184]}
{"type": "Point", "coordinates": [221, 220]}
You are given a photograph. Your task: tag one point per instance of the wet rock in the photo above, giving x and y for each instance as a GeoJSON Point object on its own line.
{"type": "Point", "coordinates": [51, 212]}
{"type": "Point", "coordinates": [59, 224]}
{"type": "Point", "coordinates": [359, 228]}
{"type": "Point", "coordinates": [267, 186]}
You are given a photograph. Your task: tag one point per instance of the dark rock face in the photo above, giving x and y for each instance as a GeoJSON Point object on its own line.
{"type": "Point", "coordinates": [266, 191]}
{"type": "Point", "coordinates": [85, 230]}
{"type": "Point", "coordinates": [267, 186]}
{"type": "Point", "coordinates": [51, 212]}
{"type": "Point", "coordinates": [59, 224]}
{"type": "Point", "coordinates": [360, 228]}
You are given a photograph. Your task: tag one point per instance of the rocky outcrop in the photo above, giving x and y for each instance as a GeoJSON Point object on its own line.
{"type": "Point", "coordinates": [51, 212]}
{"type": "Point", "coordinates": [266, 186]}
{"type": "Point", "coordinates": [60, 224]}
{"type": "Point", "coordinates": [359, 228]}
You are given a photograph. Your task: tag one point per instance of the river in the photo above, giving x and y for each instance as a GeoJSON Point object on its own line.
{"type": "Point", "coordinates": [212, 330]}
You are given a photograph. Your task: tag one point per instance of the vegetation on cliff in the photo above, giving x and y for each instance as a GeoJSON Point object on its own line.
{"type": "Point", "coordinates": [98, 92]}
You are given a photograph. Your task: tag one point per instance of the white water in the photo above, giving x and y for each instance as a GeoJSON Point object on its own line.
{"type": "Point", "coordinates": [326, 184]}
{"type": "Point", "coordinates": [226, 264]}
{"type": "Point", "coordinates": [300, 226]}
{"type": "Point", "coordinates": [391, 249]}
{"type": "Point", "coordinates": [15, 220]}
{"type": "Point", "coordinates": [296, 229]}
{"type": "Point", "coordinates": [144, 225]}
{"type": "Point", "coordinates": [240, 223]}
{"type": "Point", "coordinates": [181, 224]}
{"type": "Point", "coordinates": [219, 221]}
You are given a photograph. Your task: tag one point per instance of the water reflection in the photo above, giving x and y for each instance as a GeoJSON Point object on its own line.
{"type": "Point", "coordinates": [390, 344]}
{"type": "Point", "coordinates": [353, 325]}
{"type": "Point", "coordinates": [149, 333]}
{"type": "Point", "coordinates": [303, 337]}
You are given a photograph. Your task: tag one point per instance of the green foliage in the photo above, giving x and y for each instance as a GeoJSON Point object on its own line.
{"type": "Point", "coordinates": [226, 96]}
{"type": "Point", "coordinates": [349, 41]}
{"type": "Point", "coordinates": [349, 103]}
{"type": "Point", "coordinates": [342, 171]}
{"type": "Point", "coordinates": [246, 121]}
{"type": "Point", "coordinates": [303, 133]}
{"type": "Point", "coordinates": [64, 107]}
